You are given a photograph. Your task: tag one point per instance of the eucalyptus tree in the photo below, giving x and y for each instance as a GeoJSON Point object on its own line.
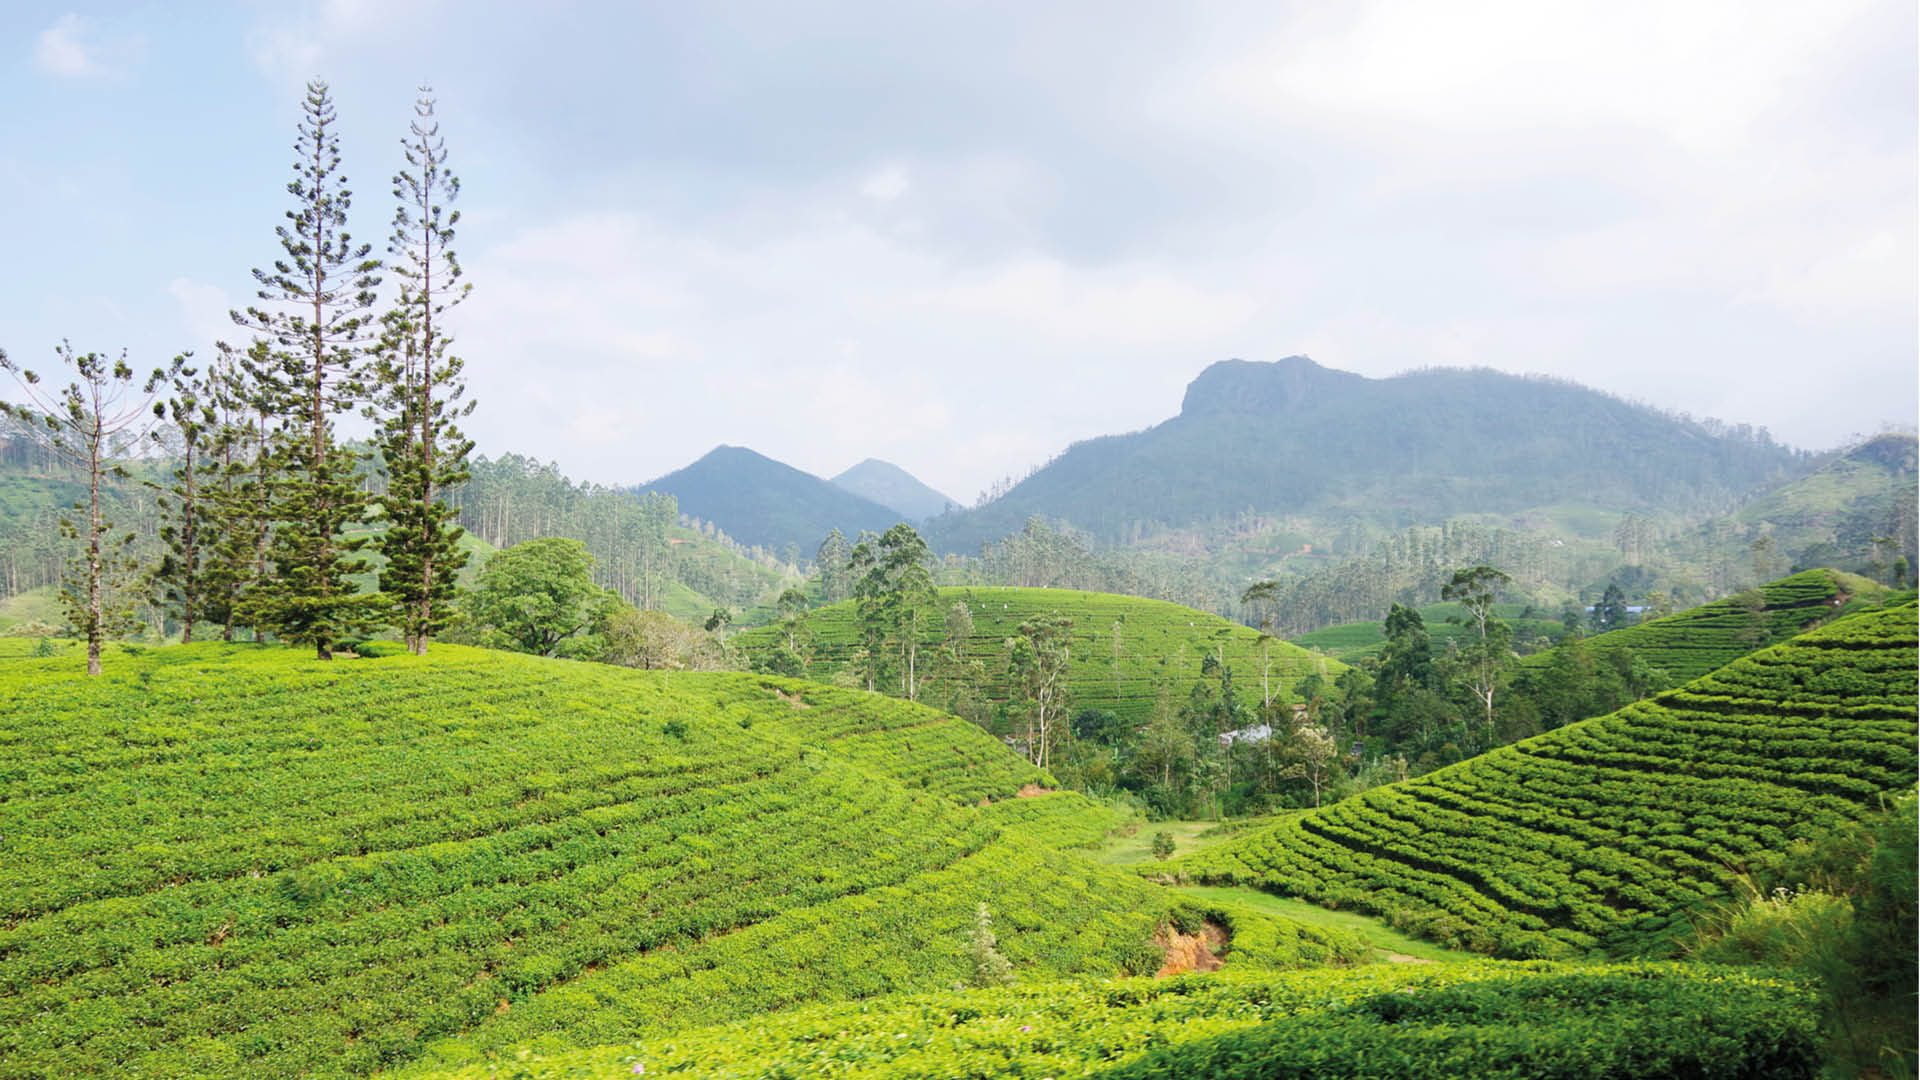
{"type": "Point", "coordinates": [1483, 661]}
{"type": "Point", "coordinates": [420, 389]}
{"type": "Point", "coordinates": [315, 319]}
{"type": "Point", "coordinates": [104, 411]}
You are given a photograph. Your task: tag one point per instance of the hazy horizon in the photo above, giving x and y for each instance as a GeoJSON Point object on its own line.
{"type": "Point", "coordinates": [961, 238]}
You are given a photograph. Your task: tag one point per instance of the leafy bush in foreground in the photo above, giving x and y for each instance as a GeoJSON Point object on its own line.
{"type": "Point", "coordinates": [1457, 1020]}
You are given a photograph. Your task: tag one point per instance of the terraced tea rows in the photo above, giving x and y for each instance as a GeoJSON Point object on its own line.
{"type": "Point", "coordinates": [1391, 1021]}
{"type": "Point", "coordinates": [1124, 648]}
{"type": "Point", "coordinates": [1601, 834]}
{"type": "Point", "coordinates": [231, 861]}
{"type": "Point", "coordinates": [1694, 642]}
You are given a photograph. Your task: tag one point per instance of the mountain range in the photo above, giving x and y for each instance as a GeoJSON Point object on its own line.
{"type": "Point", "coordinates": [765, 503]}
{"type": "Point", "coordinates": [1292, 438]}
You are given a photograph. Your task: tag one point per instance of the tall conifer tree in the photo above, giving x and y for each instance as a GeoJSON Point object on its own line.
{"type": "Point", "coordinates": [317, 328]}
{"type": "Point", "coordinates": [420, 389]}
{"type": "Point", "coordinates": [182, 577]}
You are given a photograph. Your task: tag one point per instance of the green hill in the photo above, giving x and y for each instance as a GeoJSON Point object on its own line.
{"type": "Point", "coordinates": [1124, 648]}
{"type": "Point", "coordinates": [1292, 438]}
{"type": "Point", "coordinates": [1603, 833]}
{"type": "Point", "coordinates": [1351, 642]}
{"type": "Point", "coordinates": [1692, 643]}
{"type": "Point", "coordinates": [1844, 501]}
{"type": "Point", "coordinates": [237, 861]}
{"type": "Point", "coordinates": [1387, 1022]}
{"type": "Point", "coordinates": [757, 500]}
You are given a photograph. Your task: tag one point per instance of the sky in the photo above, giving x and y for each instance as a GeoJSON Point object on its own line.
{"type": "Point", "coordinates": [963, 236]}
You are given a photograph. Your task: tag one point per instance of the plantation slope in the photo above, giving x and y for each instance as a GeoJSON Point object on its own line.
{"type": "Point", "coordinates": [237, 861]}
{"type": "Point", "coordinates": [1603, 834]}
{"type": "Point", "coordinates": [1692, 643]}
{"type": "Point", "coordinates": [1352, 642]}
{"type": "Point", "coordinates": [1124, 648]}
{"type": "Point", "coordinates": [1055, 914]}
{"type": "Point", "coordinates": [1478, 1020]}
{"type": "Point", "coordinates": [1066, 820]}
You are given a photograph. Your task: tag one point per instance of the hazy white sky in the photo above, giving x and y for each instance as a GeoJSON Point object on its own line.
{"type": "Point", "coordinates": [960, 237]}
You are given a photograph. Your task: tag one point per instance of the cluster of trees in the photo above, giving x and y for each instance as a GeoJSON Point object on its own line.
{"type": "Point", "coordinates": [539, 597]}
{"type": "Point", "coordinates": [266, 520]}
{"type": "Point", "coordinates": [642, 546]}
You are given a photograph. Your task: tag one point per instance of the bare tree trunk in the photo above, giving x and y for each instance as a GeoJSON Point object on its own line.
{"type": "Point", "coordinates": [96, 614]}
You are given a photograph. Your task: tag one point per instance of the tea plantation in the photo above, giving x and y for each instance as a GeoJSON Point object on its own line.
{"type": "Point", "coordinates": [236, 861]}
{"type": "Point", "coordinates": [1124, 648]}
{"type": "Point", "coordinates": [1694, 642]}
{"type": "Point", "coordinates": [1523, 1020]}
{"type": "Point", "coordinates": [1601, 834]}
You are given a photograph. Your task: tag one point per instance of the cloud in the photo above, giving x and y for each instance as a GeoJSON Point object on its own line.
{"type": "Point", "coordinates": [886, 184]}
{"type": "Point", "coordinates": [72, 48]}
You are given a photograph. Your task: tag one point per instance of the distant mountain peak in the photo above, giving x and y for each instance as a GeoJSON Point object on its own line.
{"type": "Point", "coordinates": [1291, 384]}
{"type": "Point", "coordinates": [894, 487]}
{"type": "Point", "coordinates": [760, 501]}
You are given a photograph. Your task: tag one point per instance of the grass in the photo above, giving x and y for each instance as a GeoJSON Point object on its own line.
{"type": "Point", "coordinates": [40, 605]}
{"type": "Point", "coordinates": [1605, 834]}
{"type": "Point", "coordinates": [1125, 650]}
{"type": "Point", "coordinates": [1129, 848]}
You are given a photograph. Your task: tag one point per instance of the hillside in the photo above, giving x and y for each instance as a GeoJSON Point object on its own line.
{"type": "Point", "coordinates": [1833, 515]}
{"type": "Point", "coordinates": [1691, 643]}
{"type": "Point", "coordinates": [1602, 834]}
{"type": "Point", "coordinates": [1124, 649]}
{"type": "Point", "coordinates": [759, 501]}
{"type": "Point", "coordinates": [894, 488]}
{"type": "Point", "coordinates": [1296, 438]}
{"type": "Point", "coordinates": [236, 861]}
{"type": "Point", "coordinates": [1352, 642]}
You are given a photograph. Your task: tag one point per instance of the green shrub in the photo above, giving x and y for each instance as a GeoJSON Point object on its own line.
{"type": "Point", "coordinates": [373, 649]}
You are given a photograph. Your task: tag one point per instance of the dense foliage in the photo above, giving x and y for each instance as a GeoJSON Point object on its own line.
{"type": "Point", "coordinates": [232, 860]}
{"type": "Point", "coordinates": [1415, 1022]}
{"type": "Point", "coordinates": [1602, 834]}
{"type": "Point", "coordinates": [1124, 652]}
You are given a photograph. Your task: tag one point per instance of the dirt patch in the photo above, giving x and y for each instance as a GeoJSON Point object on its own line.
{"type": "Point", "coordinates": [1402, 958]}
{"type": "Point", "coordinates": [794, 699]}
{"type": "Point", "coordinates": [1033, 791]}
{"type": "Point", "coordinates": [1190, 952]}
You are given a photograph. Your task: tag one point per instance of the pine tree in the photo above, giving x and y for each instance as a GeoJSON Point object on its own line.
{"type": "Point", "coordinates": [183, 577]}
{"type": "Point", "coordinates": [420, 389]}
{"type": "Point", "coordinates": [239, 500]}
{"type": "Point", "coordinates": [317, 329]}
{"type": "Point", "coordinates": [88, 423]}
